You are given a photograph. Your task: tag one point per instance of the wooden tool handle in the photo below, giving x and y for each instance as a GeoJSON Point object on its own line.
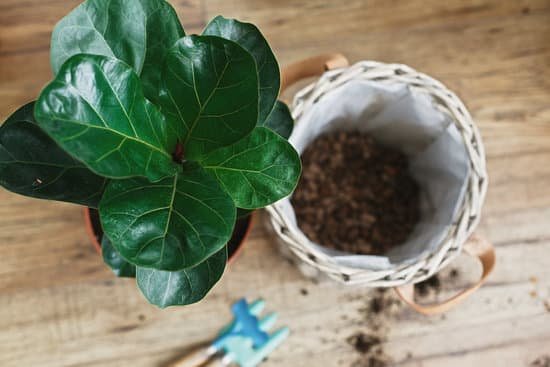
{"type": "Point", "coordinates": [477, 247]}
{"type": "Point", "coordinates": [312, 66]}
{"type": "Point", "coordinates": [194, 359]}
{"type": "Point", "coordinates": [216, 362]}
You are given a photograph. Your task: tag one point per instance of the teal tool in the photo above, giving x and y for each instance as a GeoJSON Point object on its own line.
{"type": "Point", "coordinates": [244, 342]}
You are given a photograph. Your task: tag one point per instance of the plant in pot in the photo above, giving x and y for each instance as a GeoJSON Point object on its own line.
{"type": "Point", "coordinates": [168, 136]}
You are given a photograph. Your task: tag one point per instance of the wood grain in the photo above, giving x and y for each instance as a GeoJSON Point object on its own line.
{"type": "Point", "coordinates": [59, 306]}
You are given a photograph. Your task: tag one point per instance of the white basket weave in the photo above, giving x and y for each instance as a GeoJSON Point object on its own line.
{"type": "Point", "coordinates": [467, 216]}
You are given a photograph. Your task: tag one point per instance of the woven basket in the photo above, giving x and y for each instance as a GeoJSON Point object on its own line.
{"type": "Point", "coordinates": [466, 218]}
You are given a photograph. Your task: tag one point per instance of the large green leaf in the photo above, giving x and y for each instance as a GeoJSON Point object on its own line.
{"type": "Point", "coordinates": [173, 224]}
{"type": "Point", "coordinates": [120, 267]}
{"type": "Point", "coordinates": [136, 32]}
{"type": "Point", "coordinates": [32, 164]}
{"type": "Point", "coordinates": [280, 120]}
{"type": "Point", "coordinates": [96, 111]}
{"type": "Point", "coordinates": [165, 288]}
{"type": "Point", "coordinates": [163, 30]}
{"type": "Point", "coordinates": [257, 170]}
{"type": "Point", "coordinates": [251, 39]}
{"type": "Point", "coordinates": [210, 90]}
{"type": "Point", "coordinates": [115, 28]}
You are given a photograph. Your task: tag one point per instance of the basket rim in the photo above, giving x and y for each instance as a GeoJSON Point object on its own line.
{"type": "Point", "coordinates": [466, 217]}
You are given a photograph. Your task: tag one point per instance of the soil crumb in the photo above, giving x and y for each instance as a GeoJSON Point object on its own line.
{"type": "Point", "coordinates": [370, 346]}
{"type": "Point", "coordinates": [433, 285]}
{"type": "Point", "coordinates": [542, 361]}
{"type": "Point", "coordinates": [355, 195]}
{"type": "Point", "coordinates": [454, 273]}
{"type": "Point", "coordinates": [363, 343]}
{"type": "Point", "coordinates": [430, 285]}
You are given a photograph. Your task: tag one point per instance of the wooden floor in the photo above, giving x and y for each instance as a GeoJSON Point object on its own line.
{"type": "Point", "coordinates": [60, 306]}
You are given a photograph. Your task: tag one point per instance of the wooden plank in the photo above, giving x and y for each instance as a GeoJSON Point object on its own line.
{"type": "Point", "coordinates": [517, 343]}
{"type": "Point", "coordinates": [73, 318]}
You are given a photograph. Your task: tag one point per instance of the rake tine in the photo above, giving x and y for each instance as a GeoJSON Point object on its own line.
{"type": "Point", "coordinates": [274, 341]}
{"type": "Point", "coordinates": [268, 321]}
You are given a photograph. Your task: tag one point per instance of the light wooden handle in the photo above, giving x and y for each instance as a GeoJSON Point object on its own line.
{"type": "Point", "coordinates": [476, 246]}
{"type": "Point", "coordinates": [215, 362]}
{"type": "Point", "coordinates": [194, 359]}
{"type": "Point", "coordinates": [310, 67]}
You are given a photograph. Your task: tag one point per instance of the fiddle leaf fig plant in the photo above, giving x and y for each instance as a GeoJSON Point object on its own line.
{"type": "Point", "coordinates": [170, 136]}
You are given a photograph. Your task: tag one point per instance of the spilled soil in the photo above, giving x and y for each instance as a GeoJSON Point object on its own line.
{"type": "Point", "coordinates": [377, 315]}
{"type": "Point", "coordinates": [381, 311]}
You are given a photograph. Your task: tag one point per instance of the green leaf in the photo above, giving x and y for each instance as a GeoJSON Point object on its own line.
{"type": "Point", "coordinates": [210, 91]}
{"type": "Point", "coordinates": [136, 32]}
{"type": "Point", "coordinates": [120, 267]}
{"type": "Point", "coordinates": [114, 28]}
{"type": "Point", "coordinates": [280, 120]}
{"type": "Point", "coordinates": [257, 170]}
{"type": "Point", "coordinates": [251, 39]}
{"type": "Point", "coordinates": [32, 164]}
{"type": "Point", "coordinates": [163, 30]}
{"type": "Point", "coordinates": [170, 225]}
{"type": "Point", "coordinates": [165, 288]}
{"type": "Point", "coordinates": [96, 111]}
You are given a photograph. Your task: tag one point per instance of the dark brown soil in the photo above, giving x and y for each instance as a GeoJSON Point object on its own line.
{"type": "Point", "coordinates": [381, 308]}
{"type": "Point", "coordinates": [363, 343]}
{"type": "Point", "coordinates": [432, 284]}
{"type": "Point", "coordinates": [370, 346]}
{"type": "Point", "coordinates": [239, 231]}
{"type": "Point", "coordinates": [355, 195]}
{"type": "Point", "coordinates": [542, 361]}
{"type": "Point", "coordinates": [96, 224]}
{"type": "Point", "coordinates": [371, 349]}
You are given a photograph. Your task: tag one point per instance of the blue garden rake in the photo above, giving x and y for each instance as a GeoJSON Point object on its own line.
{"type": "Point", "coordinates": [244, 342]}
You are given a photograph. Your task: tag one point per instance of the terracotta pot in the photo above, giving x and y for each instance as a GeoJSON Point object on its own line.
{"type": "Point", "coordinates": [235, 244]}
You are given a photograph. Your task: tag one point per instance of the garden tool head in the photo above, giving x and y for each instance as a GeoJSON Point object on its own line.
{"type": "Point", "coordinates": [245, 340]}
